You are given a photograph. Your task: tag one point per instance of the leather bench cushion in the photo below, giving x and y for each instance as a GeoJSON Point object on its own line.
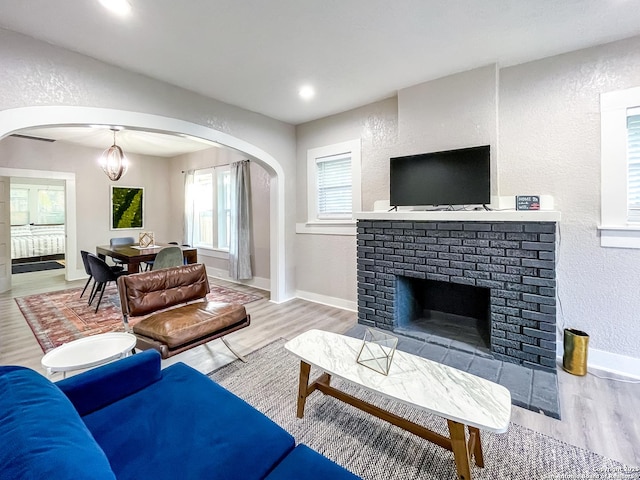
{"type": "Point", "coordinates": [148, 292]}
{"type": "Point", "coordinates": [181, 325]}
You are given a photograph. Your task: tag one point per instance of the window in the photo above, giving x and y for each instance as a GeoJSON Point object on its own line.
{"type": "Point", "coordinates": [620, 166]}
{"type": "Point", "coordinates": [633, 159]}
{"type": "Point", "coordinates": [333, 184]}
{"type": "Point", "coordinates": [333, 175]}
{"type": "Point", "coordinates": [50, 206]}
{"type": "Point", "coordinates": [37, 204]}
{"type": "Point", "coordinates": [19, 206]}
{"type": "Point", "coordinates": [212, 208]}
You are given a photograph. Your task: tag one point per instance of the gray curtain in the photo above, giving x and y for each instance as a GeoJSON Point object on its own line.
{"type": "Point", "coordinates": [189, 220]}
{"type": "Point", "coordinates": [240, 235]}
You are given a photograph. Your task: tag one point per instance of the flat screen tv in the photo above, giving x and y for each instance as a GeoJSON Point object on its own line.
{"type": "Point", "coordinates": [452, 177]}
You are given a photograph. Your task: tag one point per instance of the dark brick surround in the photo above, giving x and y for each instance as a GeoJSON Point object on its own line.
{"type": "Point", "coordinates": [515, 260]}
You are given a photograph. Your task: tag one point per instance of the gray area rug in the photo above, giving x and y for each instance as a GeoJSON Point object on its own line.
{"type": "Point", "coordinates": [374, 449]}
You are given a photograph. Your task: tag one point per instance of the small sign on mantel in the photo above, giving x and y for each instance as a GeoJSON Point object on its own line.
{"type": "Point", "coordinates": [527, 202]}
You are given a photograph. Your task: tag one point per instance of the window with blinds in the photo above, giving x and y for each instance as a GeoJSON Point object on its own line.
{"type": "Point", "coordinates": [633, 162]}
{"type": "Point", "coordinates": [334, 194]}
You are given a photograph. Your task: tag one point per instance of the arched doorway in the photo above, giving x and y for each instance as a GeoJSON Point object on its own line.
{"type": "Point", "coordinates": [28, 117]}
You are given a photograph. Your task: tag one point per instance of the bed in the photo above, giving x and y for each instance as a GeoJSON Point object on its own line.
{"type": "Point", "coordinates": [37, 241]}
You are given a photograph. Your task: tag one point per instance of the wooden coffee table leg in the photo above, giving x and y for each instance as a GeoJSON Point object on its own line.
{"type": "Point", "coordinates": [475, 446]}
{"type": "Point", "coordinates": [459, 447]}
{"type": "Point", "coordinates": [303, 388]}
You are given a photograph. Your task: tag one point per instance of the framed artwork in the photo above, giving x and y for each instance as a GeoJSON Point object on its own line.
{"type": "Point", "coordinates": [127, 207]}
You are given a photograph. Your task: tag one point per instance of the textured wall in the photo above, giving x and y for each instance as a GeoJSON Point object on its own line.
{"type": "Point", "coordinates": [325, 264]}
{"type": "Point", "coordinates": [549, 122]}
{"type": "Point", "coordinates": [35, 73]}
{"type": "Point", "coordinates": [543, 122]}
{"type": "Point", "coordinates": [452, 112]}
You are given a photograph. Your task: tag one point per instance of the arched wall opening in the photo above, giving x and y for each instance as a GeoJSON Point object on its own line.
{"type": "Point", "coordinates": [12, 120]}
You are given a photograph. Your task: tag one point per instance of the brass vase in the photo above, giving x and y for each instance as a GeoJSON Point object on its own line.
{"type": "Point", "coordinates": [576, 343]}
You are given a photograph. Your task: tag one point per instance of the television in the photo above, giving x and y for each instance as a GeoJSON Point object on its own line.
{"type": "Point", "coordinates": [452, 177]}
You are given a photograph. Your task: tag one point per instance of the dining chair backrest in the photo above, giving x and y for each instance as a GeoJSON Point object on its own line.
{"type": "Point", "coordinates": [100, 270]}
{"type": "Point", "coordinates": [168, 257]}
{"type": "Point", "coordinates": [85, 261]}
{"type": "Point", "coordinates": [121, 241]}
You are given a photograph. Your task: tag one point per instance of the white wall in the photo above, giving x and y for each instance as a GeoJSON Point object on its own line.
{"type": "Point", "coordinates": [452, 112]}
{"type": "Point", "coordinates": [93, 193]}
{"type": "Point", "coordinates": [542, 121]}
{"type": "Point", "coordinates": [326, 263]}
{"type": "Point", "coordinates": [550, 143]}
{"type": "Point", "coordinates": [35, 73]}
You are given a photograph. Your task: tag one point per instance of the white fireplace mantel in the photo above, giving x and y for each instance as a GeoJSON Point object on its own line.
{"type": "Point", "coordinates": [464, 215]}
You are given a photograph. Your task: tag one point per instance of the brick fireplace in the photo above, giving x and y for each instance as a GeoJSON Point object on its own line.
{"type": "Point", "coordinates": [512, 261]}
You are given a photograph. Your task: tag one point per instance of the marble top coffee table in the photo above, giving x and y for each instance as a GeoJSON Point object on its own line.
{"type": "Point", "coordinates": [459, 397]}
{"type": "Point", "coordinates": [88, 352]}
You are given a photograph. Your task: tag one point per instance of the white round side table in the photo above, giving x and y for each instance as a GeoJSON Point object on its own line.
{"type": "Point", "coordinates": [88, 352]}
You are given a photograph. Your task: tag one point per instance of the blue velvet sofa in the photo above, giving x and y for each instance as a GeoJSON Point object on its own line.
{"type": "Point", "coordinates": [132, 420]}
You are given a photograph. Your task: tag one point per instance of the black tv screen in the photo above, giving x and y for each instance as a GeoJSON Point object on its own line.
{"type": "Point", "coordinates": [452, 177]}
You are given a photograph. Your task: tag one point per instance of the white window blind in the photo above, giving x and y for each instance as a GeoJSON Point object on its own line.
{"type": "Point", "coordinates": [633, 161]}
{"type": "Point", "coordinates": [334, 186]}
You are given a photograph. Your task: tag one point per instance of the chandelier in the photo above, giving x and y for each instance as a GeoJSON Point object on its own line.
{"type": "Point", "coordinates": [113, 161]}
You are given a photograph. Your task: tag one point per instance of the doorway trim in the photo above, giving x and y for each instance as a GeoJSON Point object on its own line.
{"type": "Point", "coordinates": [69, 179]}
{"type": "Point", "coordinates": [15, 119]}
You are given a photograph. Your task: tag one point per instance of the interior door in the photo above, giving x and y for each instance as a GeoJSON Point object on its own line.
{"type": "Point", "coordinates": [5, 234]}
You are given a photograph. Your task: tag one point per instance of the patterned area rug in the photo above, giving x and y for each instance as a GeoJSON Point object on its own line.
{"type": "Point", "coordinates": [376, 450]}
{"type": "Point", "coordinates": [59, 317]}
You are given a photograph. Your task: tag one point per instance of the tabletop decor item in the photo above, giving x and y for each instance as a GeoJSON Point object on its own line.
{"type": "Point", "coordinates": [377, 350]}
{"type": "Point", "coordinates": [145, 239]}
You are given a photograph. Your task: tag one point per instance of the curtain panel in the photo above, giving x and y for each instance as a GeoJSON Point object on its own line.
{"type": "Point", "coordinates": [240, 235]}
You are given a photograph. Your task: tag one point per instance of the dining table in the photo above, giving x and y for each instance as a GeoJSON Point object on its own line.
{"type": "Point", "coordinates": [133, 255]}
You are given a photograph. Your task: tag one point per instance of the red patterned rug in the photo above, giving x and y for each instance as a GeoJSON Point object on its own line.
{"type": "Point", "coordinates": [60, 317]}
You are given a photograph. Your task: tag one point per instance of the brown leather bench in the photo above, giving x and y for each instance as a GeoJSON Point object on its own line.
{"type": "Point", "coordinates": [178, 315]}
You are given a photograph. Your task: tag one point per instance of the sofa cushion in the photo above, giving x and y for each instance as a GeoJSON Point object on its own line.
{"type": "Point", "coordinates": [305, 463]}
{"type": "Point", "coordinates": [41, 434]}
{"type": "Point", "coordinates": [98, 387]}
{"type": "Point", "coordinates": [181, 325]}
{"type": "Point", "coordinates": [187, 426]}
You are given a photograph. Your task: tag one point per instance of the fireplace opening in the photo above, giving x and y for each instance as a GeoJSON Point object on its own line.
{"type": "Point", "coordinates": [427, 308]}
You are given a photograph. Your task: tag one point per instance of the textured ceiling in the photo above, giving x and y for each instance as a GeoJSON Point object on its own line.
{"type": "Point", "coordinates": [257, 53]}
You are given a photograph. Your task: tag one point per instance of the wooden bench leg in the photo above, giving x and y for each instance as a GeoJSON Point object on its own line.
{"type": "Point", "coordinates": [240, 357]}
{"type": "Point", "coordinates": [460, 449]}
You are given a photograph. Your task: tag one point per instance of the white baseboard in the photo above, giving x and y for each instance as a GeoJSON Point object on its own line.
{"type": "Point", "coordinates": [613, 363]}
{"type": "Point", "coordinates": [607, 362]}
{"type": "Point", "coordinates": [326, 300]}
{"type": "Point", "coordinates": [258, 282]}
{"type": "Point", "coordinates": [77, 275]}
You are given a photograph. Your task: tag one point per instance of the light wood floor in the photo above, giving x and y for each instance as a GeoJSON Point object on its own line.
{"type": "Point", "coordinates": [599, 415]}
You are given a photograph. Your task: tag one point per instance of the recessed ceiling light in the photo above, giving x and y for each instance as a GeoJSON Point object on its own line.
{"type": "Point", "coordinates": [307, 92]}
{"type": "Point", "coordinates": [121, 7]}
